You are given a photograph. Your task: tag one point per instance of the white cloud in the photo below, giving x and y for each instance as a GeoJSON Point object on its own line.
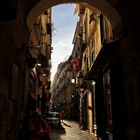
{"type": "Point", "coordinates": [65, 24]}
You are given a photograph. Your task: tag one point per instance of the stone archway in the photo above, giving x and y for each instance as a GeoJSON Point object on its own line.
{"type": "Point", "coordinates": [126, 108]}
{"type": "Point", "coordinates": [102, 5]}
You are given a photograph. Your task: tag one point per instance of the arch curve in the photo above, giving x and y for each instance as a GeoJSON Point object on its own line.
{"type": "Point", "coordinates": [102, 5]}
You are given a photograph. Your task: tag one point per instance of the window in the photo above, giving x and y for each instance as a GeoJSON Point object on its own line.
{"type": "Point", "coordinates": [102, 28]}
{"type": "Point", "coordinates": [92, 45]}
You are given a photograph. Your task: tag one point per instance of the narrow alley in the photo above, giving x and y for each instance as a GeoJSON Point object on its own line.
{"type": "Point", "coordinates": [97, 84]}
{"type": "Point", "coordinates": [70, 130]}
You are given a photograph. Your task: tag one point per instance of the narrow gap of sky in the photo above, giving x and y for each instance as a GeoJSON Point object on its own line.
{"type": "Point", "coordinates": [64, 24]}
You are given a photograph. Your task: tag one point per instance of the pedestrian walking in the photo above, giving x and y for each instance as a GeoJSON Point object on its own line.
{"type": "Point", "coordinates": [62, 115]}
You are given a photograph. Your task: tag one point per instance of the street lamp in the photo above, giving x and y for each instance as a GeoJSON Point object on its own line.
{"type": "Point", "coordinates": [73, 81]}
{"type": "Point", "coordinates": [72, 98]}
{"type": "Point", "coordinates": [94, 100]}
{"type": "Point", "coordinates": [93, 83]}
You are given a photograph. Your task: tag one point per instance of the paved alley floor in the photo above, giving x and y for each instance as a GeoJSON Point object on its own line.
{"type": "Point", "coordinates": [70, 131]}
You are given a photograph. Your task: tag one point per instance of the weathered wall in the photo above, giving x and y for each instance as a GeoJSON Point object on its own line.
{"type": "Point", "coordinates": [13, 38]}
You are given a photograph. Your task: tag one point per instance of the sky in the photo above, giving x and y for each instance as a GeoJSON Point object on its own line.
{"type": "Point", "coordinates": [64, 22]}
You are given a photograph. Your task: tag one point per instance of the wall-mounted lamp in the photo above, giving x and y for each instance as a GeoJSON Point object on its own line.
{"type": "Point", "coordinates": [72, 96]}
{"type": "Point", "coordinates": [38, 64]}
{"type": "Point", "coordinates": [73, 81]}
{"type": "Point", "coordinates": [44, 74]}
{"type": "Point", "coordinates": [93, 83]}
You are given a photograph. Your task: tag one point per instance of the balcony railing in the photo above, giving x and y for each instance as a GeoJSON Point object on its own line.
{"type": "Point", "coordinates": [85, 69]}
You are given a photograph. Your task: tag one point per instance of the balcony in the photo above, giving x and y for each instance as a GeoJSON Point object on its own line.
{"type": "Point", "coordinates": [42, 34]}
{"type": "Point", "coordinates": [82, 9]}
{"type": "Point", "coordinates": [84, 45]}
{"type": "Point", "coordinates": [85, 69]}
{"type": "Point", "coordinates": [93, 17]}
{"type": "Point", "coordinates": [44, 61]}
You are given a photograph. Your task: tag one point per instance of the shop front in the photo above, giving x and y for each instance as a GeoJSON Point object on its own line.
{"type": "Point", "coordinates": [100, 72]}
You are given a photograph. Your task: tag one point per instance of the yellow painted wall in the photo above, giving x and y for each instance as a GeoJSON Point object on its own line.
{"type": "Point", "coordinates": [93, 36]}
{"type": "Point", "coordinates": [93, 31]}
{"type": "Point", "coordinates": [90, 116]}
{"type": "Point", "coordinates": [91, 52]}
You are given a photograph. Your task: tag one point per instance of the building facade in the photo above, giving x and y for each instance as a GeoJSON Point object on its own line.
{"type": "Point", "coordinates": [96, 35]}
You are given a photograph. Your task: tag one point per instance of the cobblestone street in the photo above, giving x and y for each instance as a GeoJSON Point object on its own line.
{"type": "Point", "coordinates": [70, 131]}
